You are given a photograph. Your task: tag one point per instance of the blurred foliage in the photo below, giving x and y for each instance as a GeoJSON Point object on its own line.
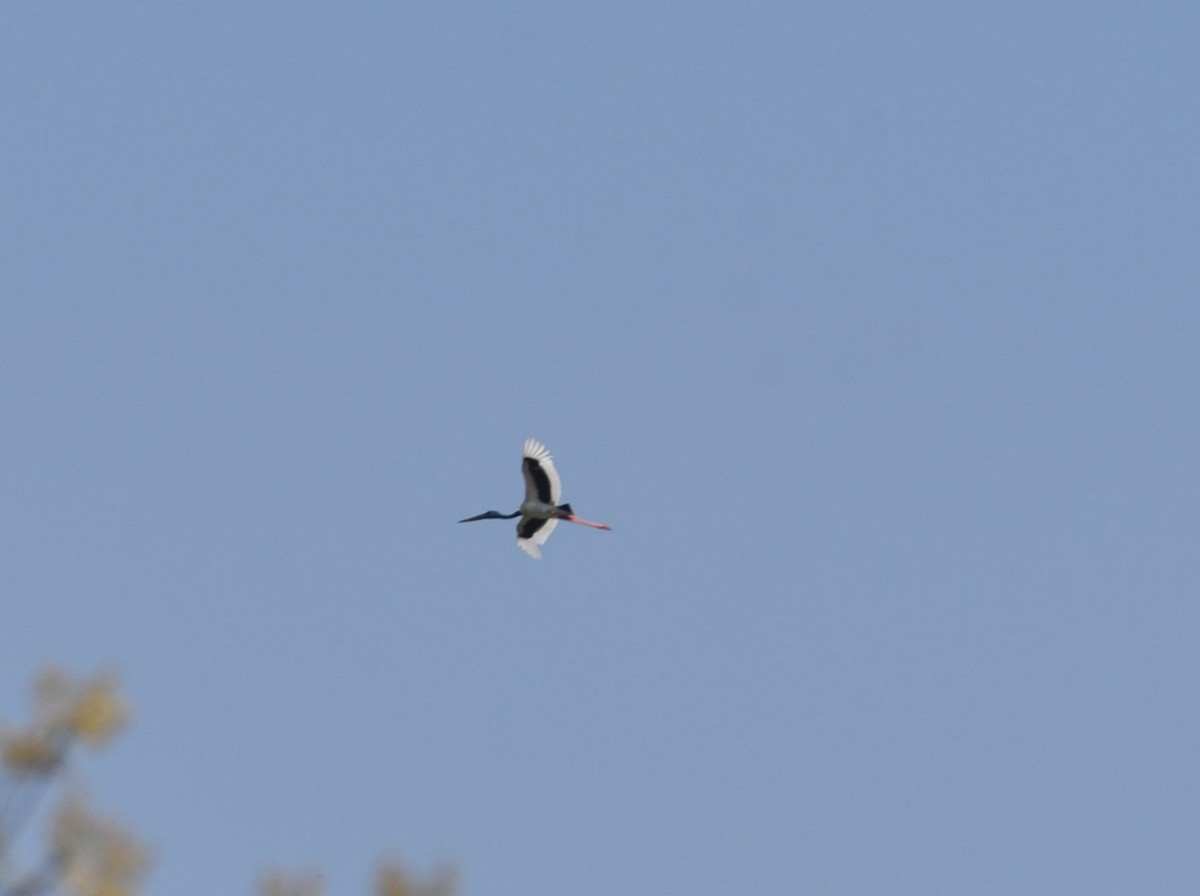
{"type": "Point", "coordinates": [65, 711]}
{"type": "Point", "coordinates": [97, 857]}
{"type": "Point", "coordinates": [278, 884]}
{"type": "Point", "coordinates": [87, 854]}
{"type": "Point", "coordinates": [391, 879]}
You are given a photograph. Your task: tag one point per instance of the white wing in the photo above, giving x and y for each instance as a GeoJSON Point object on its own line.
{"type": "Point", "coordinates": [530, 545]}
{"type": "Point", "coordinates": [540, 474]}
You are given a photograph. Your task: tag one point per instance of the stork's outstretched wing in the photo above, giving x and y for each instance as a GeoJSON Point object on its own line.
{"type": "Point", "coordinates": [541, 479]}
{"type": "Point", "coordinates": [532, 532]}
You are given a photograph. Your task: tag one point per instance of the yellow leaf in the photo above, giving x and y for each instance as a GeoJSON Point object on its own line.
{"type": "Point", "coordinates": [27, 753]}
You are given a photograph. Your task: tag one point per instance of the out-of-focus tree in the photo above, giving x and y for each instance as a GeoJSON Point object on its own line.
{"type": "Point", "coordinates": [87, 854]}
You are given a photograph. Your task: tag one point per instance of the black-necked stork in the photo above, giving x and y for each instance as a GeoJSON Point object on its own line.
{"type": "Point", "coordinates": [540, 511]}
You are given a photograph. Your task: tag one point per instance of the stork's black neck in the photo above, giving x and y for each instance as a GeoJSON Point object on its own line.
{"type": "Point", "coordinates": [492, 515]}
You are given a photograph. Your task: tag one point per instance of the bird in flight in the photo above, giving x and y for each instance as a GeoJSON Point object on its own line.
{"type": "Point", "coordinates": [540, 511]}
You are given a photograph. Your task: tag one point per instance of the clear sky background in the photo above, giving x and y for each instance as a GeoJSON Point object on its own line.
{"type": "Point", "coordinates": [872, 329]}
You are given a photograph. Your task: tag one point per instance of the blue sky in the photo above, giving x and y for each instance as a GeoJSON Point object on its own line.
{"type": "Point", "coordinates": [871, 329]}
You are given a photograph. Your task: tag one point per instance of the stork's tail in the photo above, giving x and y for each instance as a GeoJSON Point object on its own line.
{"type": "Point", "coordinates": [566, 508]}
